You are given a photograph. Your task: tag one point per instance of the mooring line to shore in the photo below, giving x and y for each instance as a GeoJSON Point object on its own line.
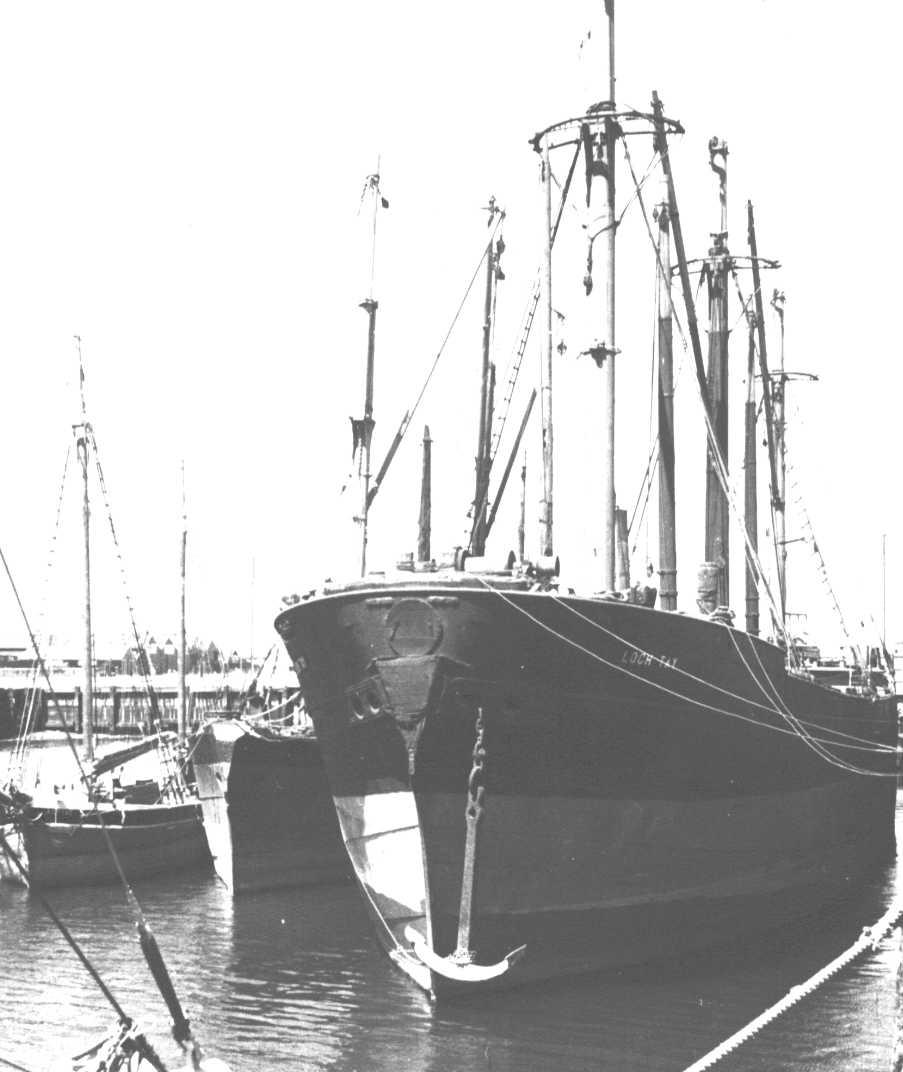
{"type": "Point", "coordinates": [868, 939]}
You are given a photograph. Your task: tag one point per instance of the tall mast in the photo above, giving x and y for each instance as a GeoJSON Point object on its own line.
{"type": "Point", "coordinates": [777, 487]}
{"type": "Point", "coordinates": [82, 431]}
{"type": "Point", "coordinates": [183, 693]}
{"type": "Point", "coordinates": [423, 539]}
{"type": "Point", "coordinates": [487, 383]}
{"type": "Point", "coordinates": [751, 506]}
{"type": "Point", "coordinates": [607, 170]}
{"type": "Point", "coordinates": [717, 516]}
{"type": "Point", "coordinates": [546, 544]}
{"type": "Point", "coordinates": [362, 430]}
{"type": "Point", "coordinates": [596, 134]}
{"type": "Point", "coordinates": [666, 488]}
{"type": "Point", "coordinates": [778, 385]}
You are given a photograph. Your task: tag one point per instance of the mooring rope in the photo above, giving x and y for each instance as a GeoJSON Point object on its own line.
{"type": "Point", "coordinates": [868, 939]}
{"type": "Point", "coordinates": [626, 671]}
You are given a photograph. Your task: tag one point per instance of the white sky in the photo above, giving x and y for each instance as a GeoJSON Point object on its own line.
{"type": "Point", "coordinates": [180, 185]}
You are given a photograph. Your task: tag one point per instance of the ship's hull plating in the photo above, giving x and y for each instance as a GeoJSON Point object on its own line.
{"type": "Point", "coordinates": [645, 792]}
{"type": "Point", "coordinates": [269, 816]}
{"type": "Point", "coordinates": [67, 847]}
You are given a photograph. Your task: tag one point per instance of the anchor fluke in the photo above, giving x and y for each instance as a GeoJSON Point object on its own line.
{"type": "Point", "coordinates": [458, 970]}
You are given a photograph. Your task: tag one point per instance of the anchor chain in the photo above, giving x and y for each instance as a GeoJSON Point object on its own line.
{"type": "Point", "coordinates": [476, 793]}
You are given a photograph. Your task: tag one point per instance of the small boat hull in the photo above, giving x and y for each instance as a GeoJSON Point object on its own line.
{"type": "Point", "coordinates": [268, 813]}
{"type": "Point", "coordinates": [68, 847]}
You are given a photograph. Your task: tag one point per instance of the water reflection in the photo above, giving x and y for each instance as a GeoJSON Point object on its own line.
{"type": "Point", "coordinates": [294, 979]}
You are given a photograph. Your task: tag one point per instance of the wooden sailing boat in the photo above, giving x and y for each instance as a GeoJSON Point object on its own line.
{"type": "Point", "coordinates": [532, 782]}
{"type": "Point", "coordinates": [154, 827]}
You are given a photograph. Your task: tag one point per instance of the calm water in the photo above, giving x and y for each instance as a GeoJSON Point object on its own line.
{"type": "Point", "coordinates": [294, 980]}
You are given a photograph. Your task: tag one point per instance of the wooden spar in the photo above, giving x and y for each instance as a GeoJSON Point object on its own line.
{"type": "Point", "coordinates": [717, 512]}
{"type": "Point", "coordinates": [387, 461]}
{"type": "Point", "coordinates": [484, 427]}
{"type": "Point", "coordinates": [546, 544]}
{"type": "Point", "coordinates": [82, 431]}
{"type": "Point", "coordinates": [778, 387]}
{"type": "Point", "coordinates": [661, 146]}
{"type": "Point", "coordinates": [183, 692]}
{"type": "Point", "coordinates": [514, 450]}
{"type": "Point", "coordinates": [522, 526]}
{"type": "Point", "coordinates": [667, 527]}
{"type": "Point", "coordinates": [423, 540]}
{"type": "Point", "coordinates": [751, 506]}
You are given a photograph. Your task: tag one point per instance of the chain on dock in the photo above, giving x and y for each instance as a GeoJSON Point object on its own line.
{"type": "Point", "coordinates": [869, 939]}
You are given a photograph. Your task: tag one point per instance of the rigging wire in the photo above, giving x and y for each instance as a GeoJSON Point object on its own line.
{"type": "Point", "coordinates": [143, 660]}
{"type": "Point", "coordinates": [409, 415]}
{"type": "Point", "coordinates": [773, 497]}
{"type": "Point", "coordinates": [693, 701]}
{"type": "Point", "coordinates": [752, 556]}
{"type": "Point", "coordinates": [16, 764]}
{"type": "Point", "coordinates": [127, 1025]}
{"type": "Point", "coordinates": [693, 677]}
{"type": "Point", "coordinates": [181, 1028]}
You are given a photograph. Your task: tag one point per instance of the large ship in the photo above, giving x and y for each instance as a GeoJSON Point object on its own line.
{"type": "Point", "coordinates": [533, 782]}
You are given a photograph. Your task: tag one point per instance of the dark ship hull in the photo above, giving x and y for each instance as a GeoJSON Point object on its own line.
{"type": "Point", "coordinates": [69, 847]}
{"type": "Point", "coordinates": [268, 812]}
{"type": "Point", "coordinates": [645, 792]}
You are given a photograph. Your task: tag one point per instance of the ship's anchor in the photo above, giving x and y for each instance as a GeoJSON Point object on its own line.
{"type": "Point", "coordinates": [460, 966]}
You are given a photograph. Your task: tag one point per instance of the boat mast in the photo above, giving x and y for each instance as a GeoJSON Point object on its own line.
{"type": "Point", "coordinates": [546, 544]}
{"type": "Point", "coordinates": [717, 269]}
{"type": "Point", "coordinates": [751, 506]}
{"type": "Point", "coordinates": [423, 541]}
{"type": "Point", "coordinates": [778, 385]}
{"type": "Point", "coordinates": [487, 386]}
{"type": "Point", "coordinates": [777, 487]}
{"type": "Point", "coordinates": [607, 356]}
{"type": "Point", "coordinates": [183, 694]}
{"type": "Point", "coordinates": [362, 430]}
{"type": "Point", "coordinates": [82, 431]}
{"type": "Point", "coordinates": [666, 489]}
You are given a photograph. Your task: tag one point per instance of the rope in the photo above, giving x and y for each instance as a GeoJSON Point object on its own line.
{"type": "Point", "coordinates": [672, 692]}
{"type": "Point", "coordinates": [16, 765]}
{"type": "Point", "coordinates": [720, 467]}
{"type": "Point", "coordinates": [409, 416]}
{"type": "Point", "coordinates": [821, 568]}
{"type": "Point", "coordinates": [784, 711]}
{"type": "Point", "coordinates": [12, 1064]}
{"type": "Point", "coordinates": [181, 1029]}
{"type": "Point", "coordinates": [143, 661]}
{"type": "Point", "coordinates": [698, 680]}
{"type": "Point", "coordinates": [66, 933]}
{"type": "Point", "coordinates": [868, 940]}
